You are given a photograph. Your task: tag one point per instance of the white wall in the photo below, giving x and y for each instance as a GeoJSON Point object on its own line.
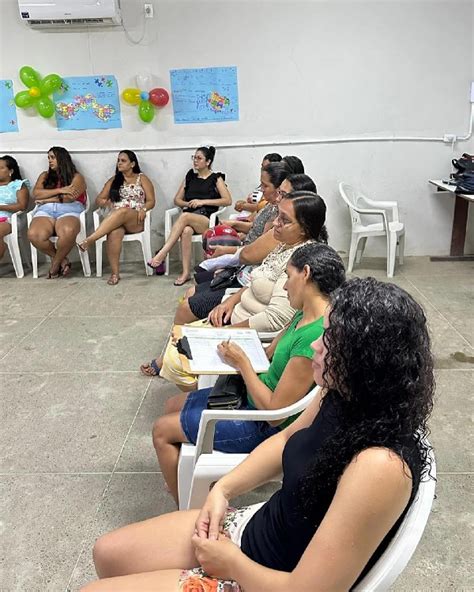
{"type": "Point", "coordinates": [307, 70]}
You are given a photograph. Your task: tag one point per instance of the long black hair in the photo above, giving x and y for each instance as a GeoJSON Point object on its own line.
{"type": "Point", "coordinates": [310, 213]}
{"type": "Point", "coordinates": [379, 369]}
{"type": "Point", "coordinates": [302, 182]}
{"type": "Point", "coordinates": [12, 166]}
{"type": "Point", "coordinates": [65, 171]}
{"type": "Point", "coordinates": [209, 153]}
{"type": "Point", "coordinates": [114, 194]}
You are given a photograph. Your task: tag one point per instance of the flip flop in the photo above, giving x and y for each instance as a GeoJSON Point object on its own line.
{"type": "Point", "coordinates": [152, 265]}
{"type": "Point", "coordinates": [113, 279]}
{"type": "Point", "coordinates": [153, 365]}
{"type": "Point", "coordinates": [181, 283]}
{"type": "Point", "coordinates": [65, 269]}
{"type": "Point", "coordinates": [83, 246]}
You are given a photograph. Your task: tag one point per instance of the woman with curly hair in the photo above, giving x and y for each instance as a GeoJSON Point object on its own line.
{"type": "Point", "coordinates": [351, 463]}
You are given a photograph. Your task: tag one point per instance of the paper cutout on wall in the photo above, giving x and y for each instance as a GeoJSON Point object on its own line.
{"type": "Point", "coordinates": [203, 95]}
{"type": "Point", "coordinates": [8, 119]}
{"type": "Point", "coordinates": [88, 102]}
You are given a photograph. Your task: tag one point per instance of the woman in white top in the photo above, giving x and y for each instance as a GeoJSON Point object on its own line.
{"type": "Point", "coordinates": [14, 196]}
{"type": "Point", "coordinates": [129, 195]}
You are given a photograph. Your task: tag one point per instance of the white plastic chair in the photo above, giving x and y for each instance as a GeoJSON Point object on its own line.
{"type": "Point", "coordinates": [11, 240]}
{"type": "Point", "coordinates": [171, 214]}
{"type": "Point", "coordinates": [84, 255]}
{"type": "Point", "coordinates": [144, 238]}
{"type": "Point", "coordinates": [400, 549]}
{"type": "Point", "coordinates": [199, 466]}
{"type": "Point", "coordinates": [393, 229]}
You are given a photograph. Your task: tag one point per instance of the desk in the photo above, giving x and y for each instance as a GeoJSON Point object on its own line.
{"type": "Point", "coordinates": [458, 232]}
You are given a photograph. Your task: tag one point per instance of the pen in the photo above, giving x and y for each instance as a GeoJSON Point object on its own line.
{"type": "Point", "coordinates": [228, 341]}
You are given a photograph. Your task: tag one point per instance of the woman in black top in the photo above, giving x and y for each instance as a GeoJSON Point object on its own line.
{"type": "Point", "coordinates": [351, 463]}
{"type": "Point", "coordinates": [200, 194]}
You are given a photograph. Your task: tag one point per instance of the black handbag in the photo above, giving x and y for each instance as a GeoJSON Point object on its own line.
{"type": "Point", "coordinates": [229, 392]}
{"type": "Point", "coordinates": [225, 278]}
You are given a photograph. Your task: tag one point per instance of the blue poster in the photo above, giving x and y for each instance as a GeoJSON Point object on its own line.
{"type": "Point", "coordinates": [88, 102]}
{"type": "Point", "coordinates": [203, 95]}
{"type": "Point", "coordinates": [8, 120]}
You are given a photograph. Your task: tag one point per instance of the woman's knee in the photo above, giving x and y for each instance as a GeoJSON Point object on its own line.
{"type": "Point", "coordinates": [159, 432]}
{"type": "Point", "coordinates": [37, 235]}
{"type": "Point", "coordinates": [188, 231]}
{"type": "Point", "coordinates": [106, 554]}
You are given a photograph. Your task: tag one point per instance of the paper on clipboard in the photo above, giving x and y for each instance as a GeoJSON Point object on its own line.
{"type": "Point", "coordinates": [203, 343]}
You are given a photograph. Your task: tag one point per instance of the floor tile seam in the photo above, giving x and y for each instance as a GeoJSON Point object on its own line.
{"type": "Point", "coordinates": [69, 295]}
{"type": "Point", "coordinates": [106, 488]}
{"type": "Point", "coordinates": [440, 313]}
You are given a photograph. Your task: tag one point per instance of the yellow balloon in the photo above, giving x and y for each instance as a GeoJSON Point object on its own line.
{"type": "Point", "coordinates": [131, 96]}
{"type": "Point", "coordinates": [34, 92]}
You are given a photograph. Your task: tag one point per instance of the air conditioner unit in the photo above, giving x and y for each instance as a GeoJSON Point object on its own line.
{"type": "Point", "coordinates": [69, 13]}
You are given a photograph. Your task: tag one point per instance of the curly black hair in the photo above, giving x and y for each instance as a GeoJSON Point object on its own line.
{"type": "Point", "coordinates": [379, 369]}
{"type": "Point", "coordinates": [325, 266]}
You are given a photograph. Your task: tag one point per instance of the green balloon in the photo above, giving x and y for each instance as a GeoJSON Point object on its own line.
{"type": "Point", "coordinates": [50, 83]}
{"type": "Point", "coordinates": [146, 111]}
{"type": "Point", "coordinates": [45, 107]}
{"type": "Point", "coordinates": [29, 77]}
{"type": "Point", "coordinates": [23, 99]}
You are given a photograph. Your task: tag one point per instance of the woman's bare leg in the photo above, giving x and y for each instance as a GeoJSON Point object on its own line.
{"type": "Point", "coordinates": [159, 543]}
{"type": "Point", "coordinates": [67, 229]}
{"type": "Point", "coordinates": [116, 218]}
{"type": "Point", "coordinates": [184, 314]}
{"type": "Point", "coordinates": [167, 438]}
{"type": "Point", "coordinates": [175, 404]}
{"type": "Point", "coordinates": [39, 232]}
{"type": "Point", "coordinates": [186, 253]}
{"type": "Point", "coordinates": [113, 246]}
{"type": "Point", "coordinates": [198, 223]}
{"type": "Point", "coordinates": [161, 581]}
{"type": "Point", "coordinates": [5, 228]}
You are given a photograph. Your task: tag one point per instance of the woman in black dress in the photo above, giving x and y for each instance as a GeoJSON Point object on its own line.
{"type": "Point", "coordinates": [201, 194]}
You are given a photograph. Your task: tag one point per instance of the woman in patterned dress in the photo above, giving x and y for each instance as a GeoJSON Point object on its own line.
{"type": "Point", "coordinates": [129, 195]}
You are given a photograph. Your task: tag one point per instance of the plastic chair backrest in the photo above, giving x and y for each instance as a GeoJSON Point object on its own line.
{"type": "Point", "coordinates": [349, 195]}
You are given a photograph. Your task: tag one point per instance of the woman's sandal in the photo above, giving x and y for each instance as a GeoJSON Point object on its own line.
{"type": "Point", "coordinates": [151, 369]}
{"type": "Point", "coordinates": [113, 279]}
{"type": "Point", "coordinates": [65, 269]}
{"type": "Point", "coordinates": [53, 276]}
{"type": "Point", "coordinates": [179, 282]}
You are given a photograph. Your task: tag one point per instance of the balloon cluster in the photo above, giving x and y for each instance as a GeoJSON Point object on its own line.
{"type": "Point", "coordinates": [146, 100]}
{"type": "Point", "coordinates": [39, 91]}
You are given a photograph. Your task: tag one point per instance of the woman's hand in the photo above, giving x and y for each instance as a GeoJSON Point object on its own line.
{"type": "Point", "coordinates": [232, 354]}
{"type": "Point", "coordinates": [141, 215]}
{"type": "Point", "coordinates": [195, 203]}
{"type": "Point", "coordinates": [211, 517]}
{"type": "Point", "coordinates": [70, 190]}
{"type": "Point", "coordinates": [239, 205]}
{"type": "Point", "coordinates": [221, 314]}
{"type": "Point", "coordinates": [104, 202]}
{"type": "Point", "coordinates": [216, 557]}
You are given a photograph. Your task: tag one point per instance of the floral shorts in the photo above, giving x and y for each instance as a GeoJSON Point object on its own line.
{"type": "Point", "coordinates": [196, 580]}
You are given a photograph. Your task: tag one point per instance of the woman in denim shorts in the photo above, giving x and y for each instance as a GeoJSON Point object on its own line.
{"type": "Point", "coordinates": [60, 197]}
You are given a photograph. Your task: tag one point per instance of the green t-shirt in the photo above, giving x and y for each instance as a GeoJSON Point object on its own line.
{"type": "Point", "coordinates": [294, 342]}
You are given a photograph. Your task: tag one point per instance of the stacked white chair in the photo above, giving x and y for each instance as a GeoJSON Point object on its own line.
{"type": "Point", "coordinates": [388, 226]}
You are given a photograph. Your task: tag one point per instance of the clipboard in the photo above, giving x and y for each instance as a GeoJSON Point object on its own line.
{"type": "Point", "coordinates": [197, 348]}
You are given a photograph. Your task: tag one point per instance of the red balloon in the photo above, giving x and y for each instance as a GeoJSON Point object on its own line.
{"type": "Point", "coordinates": [159, 97]}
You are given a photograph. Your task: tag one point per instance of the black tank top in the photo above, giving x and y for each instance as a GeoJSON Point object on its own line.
{"type": "Point", "coordinates": [197, 188]}
{"type": "Point", "coordinates": [278, 534]}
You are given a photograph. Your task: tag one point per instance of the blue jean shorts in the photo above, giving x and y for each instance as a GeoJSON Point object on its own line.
{"type": "Point", "coordinates": [230, 436]}
{"type": "Point", "coordinates": [58, 210]}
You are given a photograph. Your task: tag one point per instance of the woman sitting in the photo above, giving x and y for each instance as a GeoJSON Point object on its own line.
{"type": "Point", "coordinates": [351, 463]}
{"type": "Point", "coordinates": [251, 204]}
{"type": "Point", "coordinates": [130, 194]}
{"type": "Point", "coordinates": [60, 196]}
{"type": "Point", "coordinates": [313, 271]}
{"type": "Point", "coordinates": [200, 194]}
{"type": "Point", "coordinates": [14, 196]}
{"type": "Point", "coordinates": [262, 305]}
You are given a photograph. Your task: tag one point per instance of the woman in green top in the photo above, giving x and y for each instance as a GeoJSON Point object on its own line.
{"type": "Point", "coordinates": [314, 271]}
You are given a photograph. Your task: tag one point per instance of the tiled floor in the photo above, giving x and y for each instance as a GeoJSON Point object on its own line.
{"type": "Point", "coordinates": [77, 458]}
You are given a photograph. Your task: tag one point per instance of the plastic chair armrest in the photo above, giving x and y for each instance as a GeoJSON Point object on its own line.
{"type": "Point", "coordinates": [207, 425]}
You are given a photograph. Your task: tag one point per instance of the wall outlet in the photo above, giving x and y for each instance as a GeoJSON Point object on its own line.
{"type": "Point", "coordinates": [449, 138]}
{"type": "Point", "coordinates": [148, 8]}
